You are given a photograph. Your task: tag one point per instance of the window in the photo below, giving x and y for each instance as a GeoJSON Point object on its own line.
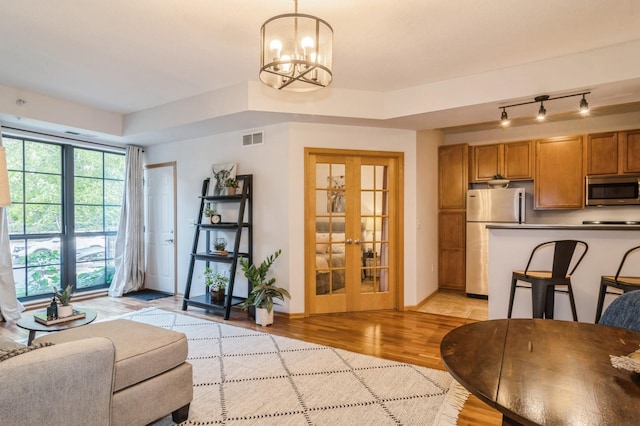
{"type": "Point", "coordinates": [64, 215]}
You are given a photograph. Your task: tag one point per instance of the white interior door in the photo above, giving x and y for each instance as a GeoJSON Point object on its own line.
{"type": "Point", "coordinates": [160, 228]}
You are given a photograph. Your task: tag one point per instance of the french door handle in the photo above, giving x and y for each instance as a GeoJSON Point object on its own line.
{"type": "Point", "coordinates": [169, 241]}
{"type": "Point", "coordinates": [349, 241]}
{"type": "Point", "coordinates": [356, 242]}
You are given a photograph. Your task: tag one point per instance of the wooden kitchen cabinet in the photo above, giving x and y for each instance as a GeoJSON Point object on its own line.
{"type": "Point", "coordinates": [513, 160]}
{"type": "Point", "coordinates": [602, 154]}
{"type": "Point", "coordinates": [559, 176]}
{"type": "Point", "coordinates": [613, 153]}
{"type": "Point", "coordinates": [630, 150]}
{"type": "Point", "coordinates": [453, 165]}
{"type": "Point", "coordinates": [451, 250]}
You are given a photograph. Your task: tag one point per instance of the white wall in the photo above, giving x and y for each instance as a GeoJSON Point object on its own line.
{"type": "Point", "coordinates": [427, 212]}
{"type": "Point", "coordinates": [278, 170]}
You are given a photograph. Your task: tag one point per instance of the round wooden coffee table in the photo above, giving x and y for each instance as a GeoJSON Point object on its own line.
{"type": "Point", "coordinates": [29, 323]}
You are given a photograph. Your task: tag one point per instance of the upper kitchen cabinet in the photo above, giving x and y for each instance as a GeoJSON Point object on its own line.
{"type": "Point", "coordinates": [513, 160]}
{"type": "Point", "coordinates": [559, 177]}
{"type": "Point", "coordinates": [453, 165]}
{"type": "Point", "coordinates": [613, 153]}
{"type": "Point", "coordinates": [630, 149]}
{"type": "Point", "coordinates": [602, 154]}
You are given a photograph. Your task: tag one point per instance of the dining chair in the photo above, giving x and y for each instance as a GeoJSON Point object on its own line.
{"type": "Point", "coordinates": [624, 283]}
{"type": "Point", "coordinates": [543, 284]}
{"type": "Point", "coordinates": [623, 312]}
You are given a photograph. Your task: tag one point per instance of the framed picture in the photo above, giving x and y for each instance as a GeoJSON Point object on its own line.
{"type": "Point", "coordinates": [335, 194]}
{"type": "Point", "coordinates": [219, 173]}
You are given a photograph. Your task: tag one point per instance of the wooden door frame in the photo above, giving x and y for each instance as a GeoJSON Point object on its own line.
{"type": "Point", "coordinates": [310, 227]}
{"type": "Point", "coordinates": [174, 167]}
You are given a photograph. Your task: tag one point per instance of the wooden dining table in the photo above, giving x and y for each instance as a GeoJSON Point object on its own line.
{"type": "Point", "coordinates": [546, 372]}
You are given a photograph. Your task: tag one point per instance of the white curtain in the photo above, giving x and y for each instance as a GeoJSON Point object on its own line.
{"type": "Point", "coordinates": [129, 253]}
{"type": "Point", "coordinates": [10, 308]}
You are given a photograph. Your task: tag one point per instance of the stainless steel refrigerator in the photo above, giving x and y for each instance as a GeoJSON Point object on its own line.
{"type": "Point", "coordinates": [484, 207]}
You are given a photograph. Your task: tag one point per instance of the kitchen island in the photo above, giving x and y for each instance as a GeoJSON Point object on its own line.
{"type": "Point", "coordinates": [510, 246]}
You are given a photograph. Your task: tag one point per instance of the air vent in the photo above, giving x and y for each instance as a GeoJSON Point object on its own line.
{"type": "Point", "coordinates": [253, 139]}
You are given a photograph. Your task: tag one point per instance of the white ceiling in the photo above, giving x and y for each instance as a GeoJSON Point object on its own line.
{"type": "Point", "coordinates": [130, 56]}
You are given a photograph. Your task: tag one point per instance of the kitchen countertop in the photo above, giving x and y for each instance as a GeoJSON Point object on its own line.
{"type": "Point", "coordinates": [564, 226]}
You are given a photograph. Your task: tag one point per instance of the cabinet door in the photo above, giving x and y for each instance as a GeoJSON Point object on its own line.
{"type": "Point", "coordinates": [518, 160]}
{"type": "Point", "coordinates": [451, 244]}
{"type": "Point", "coordinates": [486, 162]}
{"type": "Point", "coordinates": [630, 148]}
{"type": "Point", "coordinates": [602, 154]}
{"type": "Point", "coordinates": [559, 178]}
{"type": "Point", "coordinates": [453, 167]}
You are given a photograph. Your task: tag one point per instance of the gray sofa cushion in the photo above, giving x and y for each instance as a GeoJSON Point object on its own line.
{"type": "Point", "coordinates": [142, 350]}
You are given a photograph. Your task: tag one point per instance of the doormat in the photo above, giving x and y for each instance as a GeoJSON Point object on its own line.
{"type": "Point", "coordinates": [146, 294]}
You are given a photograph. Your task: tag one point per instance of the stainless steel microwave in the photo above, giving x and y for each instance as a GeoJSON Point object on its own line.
{"type": "Point", "coordinates": [613, 190]}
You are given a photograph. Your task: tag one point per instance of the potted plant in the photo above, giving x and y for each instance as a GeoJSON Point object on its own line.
{"type": "Point", "coordinates": [498, 181]}
{"type": "Point", "coordinates": [220, 246]}
{"type": "Point", "coordinates": [263, 291]}
{"type": "Point", "coordinates": [64, 297]}
{"type": "Point", "coordinates": [231, 184]}
{"type": "Point", "coordinates": [216, 283]}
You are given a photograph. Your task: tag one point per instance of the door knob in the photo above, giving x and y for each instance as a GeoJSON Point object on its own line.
{"type": "Point", "coordinates": [349, 241]}
{"type": "Point", "coordinates": [356, 242]}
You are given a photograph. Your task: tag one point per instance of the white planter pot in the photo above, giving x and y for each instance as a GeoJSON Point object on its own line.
{"type": "Point", "coordinates": [65, 311]}
{"type": "Point", "coordinates": [264, 317]}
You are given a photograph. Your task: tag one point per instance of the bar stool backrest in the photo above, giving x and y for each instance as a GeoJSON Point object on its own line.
{"type": "Point", "coordinates": [563, 252]}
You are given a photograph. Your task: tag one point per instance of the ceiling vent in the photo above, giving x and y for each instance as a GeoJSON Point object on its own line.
{"type": "Point", "coordinates": [253, 139]}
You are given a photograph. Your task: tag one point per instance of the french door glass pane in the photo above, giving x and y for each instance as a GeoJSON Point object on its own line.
{"type": "Point", "coordinates": [330, 228]}
{"type": "Point", "coordinates": [374, 217]}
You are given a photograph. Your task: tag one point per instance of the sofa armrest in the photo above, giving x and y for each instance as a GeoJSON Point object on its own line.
{"type": "Point", "coordinates": [69, 383]}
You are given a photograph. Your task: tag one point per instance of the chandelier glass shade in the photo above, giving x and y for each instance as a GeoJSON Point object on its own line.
{"type": "Point", "coordinates": [297, 52]}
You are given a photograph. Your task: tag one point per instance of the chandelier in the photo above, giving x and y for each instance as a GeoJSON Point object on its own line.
{"type": "Point", "coordinates": [296, 52]}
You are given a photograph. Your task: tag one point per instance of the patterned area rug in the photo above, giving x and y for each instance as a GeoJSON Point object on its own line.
{"type": "Point", "coordinates": [244, 377]}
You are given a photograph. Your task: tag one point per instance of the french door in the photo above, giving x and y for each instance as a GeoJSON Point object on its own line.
{"type": "Point", "coordinates": [352, 230]}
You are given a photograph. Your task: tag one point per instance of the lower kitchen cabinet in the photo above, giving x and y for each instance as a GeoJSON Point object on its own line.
{"type": "Point", "coordinates": [451, 250]}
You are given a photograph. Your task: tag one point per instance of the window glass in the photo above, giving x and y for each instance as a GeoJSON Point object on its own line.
{"type": "Point", "coordinates": [42, 254]}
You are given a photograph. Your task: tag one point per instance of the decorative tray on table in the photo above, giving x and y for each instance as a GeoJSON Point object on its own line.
{"type": "Point", "coordinates": [41, 317]}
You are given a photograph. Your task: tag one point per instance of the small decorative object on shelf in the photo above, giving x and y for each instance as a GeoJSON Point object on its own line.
{"type": "Point", "coordinates": [220, 246]}
{"type": "Point", "coordinates": [64, 297]}
{"type": "Point", "coordinates": [212, 214]}
{"type": "Point", "coordinates": [231, 184]}
{"type": "Point", "coordinates": [498, 181]}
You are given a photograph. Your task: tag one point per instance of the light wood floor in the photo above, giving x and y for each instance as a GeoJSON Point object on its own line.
{"type": "Point", "coordinates": [412, 337]}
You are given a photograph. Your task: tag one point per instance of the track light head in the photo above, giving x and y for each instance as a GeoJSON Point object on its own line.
{"type": "Point", "coordinates": [584, 106]}
{"type": "Point", "coordinates": [542, 112]}
{"type": "Point", "coordinates": [504, 118]}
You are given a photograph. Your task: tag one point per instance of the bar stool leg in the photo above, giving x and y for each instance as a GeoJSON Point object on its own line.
{"type": "Point", "coordinates": [511, 297]}
{"type": "Point", "coordinates": [603, 292]}
{"type": "Point", "coordinates": [572, 301]}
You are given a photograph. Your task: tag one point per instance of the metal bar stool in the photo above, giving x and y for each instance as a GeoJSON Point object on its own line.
{"type": "Point", "coordinates": [622, 283]}
{"type": "Point", "coordinates": [544, 284]}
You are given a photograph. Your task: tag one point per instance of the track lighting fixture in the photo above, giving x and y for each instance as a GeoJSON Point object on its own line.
{"type": "Point", "coordinates": [542, 111]}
